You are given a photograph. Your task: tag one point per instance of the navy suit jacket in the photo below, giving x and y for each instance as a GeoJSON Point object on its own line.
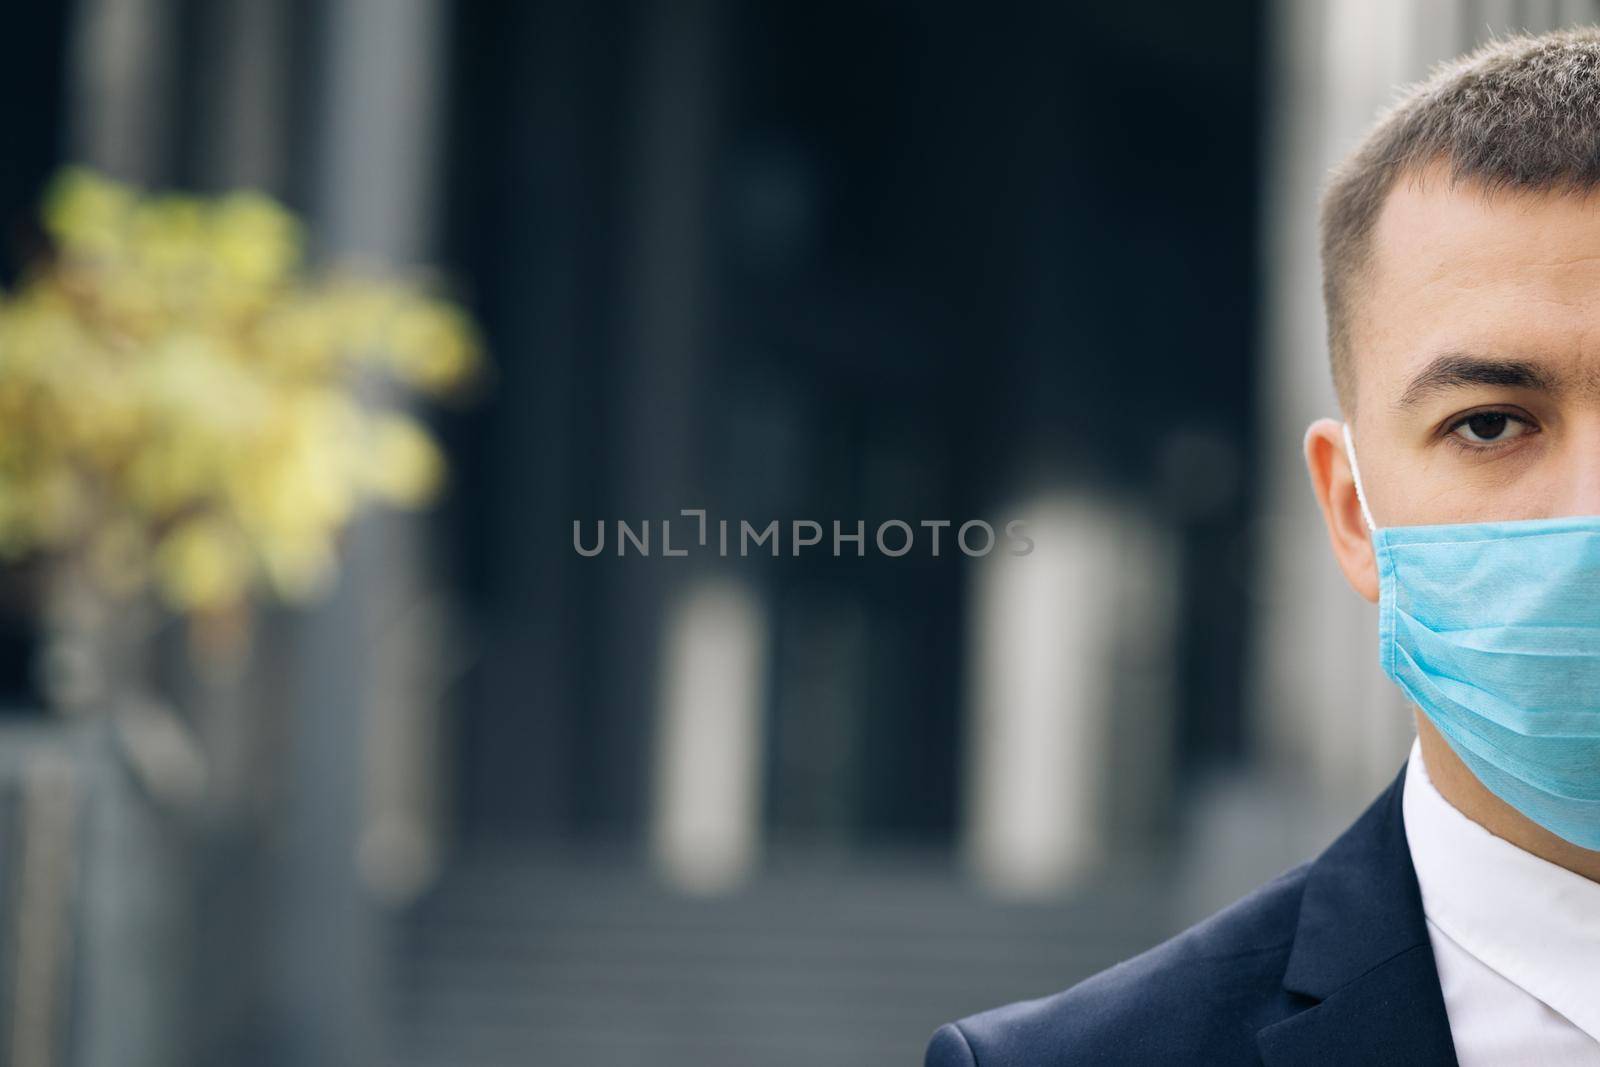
{"type": "Point", "coordinates": [1329, 963]}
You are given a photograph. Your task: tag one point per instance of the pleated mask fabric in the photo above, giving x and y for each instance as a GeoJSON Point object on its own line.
{"type": "Point", "coordinates": [1493, 630]}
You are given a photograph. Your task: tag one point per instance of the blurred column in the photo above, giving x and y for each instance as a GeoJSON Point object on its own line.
{"type": "Point", "coordinates": [361, 714]}
{"type": "Point", "coordinates": [125, 962]}
{"type": "Point", "coordinates": [120, 84]}
{"type": "Point", "coordinates": [376, 198]}
{"type": "Point", "coordinates": [1320, 701]}
{"type": "Point", "coordinates": [658, 379]}
{"type": "Point", "coordinates": [40, 991]}
{"type": "Point", "coordinates": [1071, 701]}
{"type": "Point", "coordinates": [244, 134]}
{"type": "Point", "coordinates": [706, 818]}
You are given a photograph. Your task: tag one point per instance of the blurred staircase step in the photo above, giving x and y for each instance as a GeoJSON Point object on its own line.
{"type": "Point", "coordinates": [580, 961]}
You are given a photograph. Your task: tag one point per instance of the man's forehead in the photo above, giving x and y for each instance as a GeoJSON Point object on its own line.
{"type": "Point", "coordinates": [1505, 274]}
{"type": "Point", "coordinates": [1434, 229]}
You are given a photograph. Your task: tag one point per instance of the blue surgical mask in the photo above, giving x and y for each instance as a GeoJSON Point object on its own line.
{"type": "Point", "coordinates": [1493, 629]}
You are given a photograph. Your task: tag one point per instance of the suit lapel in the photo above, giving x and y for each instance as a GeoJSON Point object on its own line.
{"type": "Point", "coordinates": [1384, 1016]}
{"type": "Point", "coordinates": [1361, 957]}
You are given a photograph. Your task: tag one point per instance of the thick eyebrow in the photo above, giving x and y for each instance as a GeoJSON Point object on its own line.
{"type": "Point", "coordinates": [1455, 370]}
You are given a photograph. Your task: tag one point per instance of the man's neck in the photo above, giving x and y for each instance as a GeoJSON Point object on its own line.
{"type": "Point", "coordinates": [1469, 796]}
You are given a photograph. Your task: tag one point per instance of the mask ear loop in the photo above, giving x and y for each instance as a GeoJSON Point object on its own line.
{"type": "Point", "coordinates": [1355, 472]}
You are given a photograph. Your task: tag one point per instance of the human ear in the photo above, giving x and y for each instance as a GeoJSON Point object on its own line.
{"type": "Point", "coordinates": [1335, 486]}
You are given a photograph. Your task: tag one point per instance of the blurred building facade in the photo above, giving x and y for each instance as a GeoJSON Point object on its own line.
{"type": "Point", "coordinates": [497, 799]}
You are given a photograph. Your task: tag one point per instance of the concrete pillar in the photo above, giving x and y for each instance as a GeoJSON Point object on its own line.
{"type": "Point", "coordinates": [1071, 702]}
{"type": "Point", "coordinates": [707, 804]}
{"type": "Point", "coordinates": [372, 198]}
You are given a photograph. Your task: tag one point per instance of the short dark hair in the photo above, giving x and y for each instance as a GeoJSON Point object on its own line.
{"type": "Point", "coordinates": [1520, 113]}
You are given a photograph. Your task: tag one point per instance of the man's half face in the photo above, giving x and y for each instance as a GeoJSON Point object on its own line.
{"type": "Point", "coordinates": [1477, 356]}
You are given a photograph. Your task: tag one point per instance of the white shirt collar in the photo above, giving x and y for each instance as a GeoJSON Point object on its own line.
{"type": "Point", "coordinates": [1535, 923]}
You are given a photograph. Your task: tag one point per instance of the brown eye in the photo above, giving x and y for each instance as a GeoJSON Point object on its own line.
{"type": "Point", "coordinates": [1489, 427]}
